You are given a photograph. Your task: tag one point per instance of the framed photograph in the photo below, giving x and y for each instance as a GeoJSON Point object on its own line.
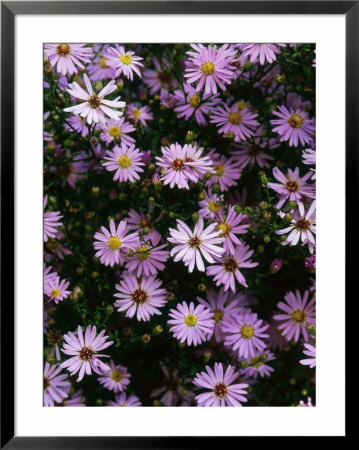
{"type": "Point", "coordinates": [169, 243]}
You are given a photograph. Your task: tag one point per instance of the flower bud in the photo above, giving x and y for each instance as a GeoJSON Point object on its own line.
{"type": "Point", "coordinates": [244, 364]}
{"type": "Point", "coordinates": [207, 356]}
{"type": "Point", "coordinates": [206, 177]}
{"type": "Point", "coordinates": [93, 140]}
{"type": "Point", "coordinates": [260, 249]}
{"type": "Point", "coordinates": [170, 296]}
{"type": "Point", "coordinates": [51, 359]}
{"type": "Point", "coordinates": [230, 135]}
{"type": "Point", "coordinates": [276, 265]}
{"type": "Point", "coordinates": [127, 331]}
{"type": "Point", "coordinates": [266, 239]}
{"type": "Point", "coordinates": [263, 205]}
{"type": "Point", "coordinates": [195, 216]}
{"type": "Point", "coordinates": [201, 287]}
{"type": "Point", "coordinates": [267, 215]}
{"type": "Point", "coordinates": [146, 338]}
{"type": "Point", "coordinates": [157, 330]}
{"type": "Point", "coordinates": [215, 188]}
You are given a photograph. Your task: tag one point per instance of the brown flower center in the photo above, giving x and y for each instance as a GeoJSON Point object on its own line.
{"type": "Point", "coordinates": [291, 185]}
{"type": "Point", "coordinates": [86, 354]}
{"type": "Point", "coordinates": [298, 316]}
{"type": "Point", "coordinates": [194, 242]}
{"type": "Point", "coordinates": [177, 164]}
{"type": "Point", "coordinates": [94, 101]}
{"type": "Point", "coordinates": [220, 390]}
{"type": "Point", "coordinates": [139, 296]}
{"type": "Point", "coordinates": [302, 225]}
{"type": "Point", "coordinates": [63, 49]}
{"type": "Point", "coordinates": [295, 121]}
{"type": "Point", "coordinates": [230, 265]}
{"type": "Point", "coordinates": [46, 383]}
{"type": "Point", "coordinates": [254, 150]}
{"type": "Point", "coordinates": [54, 337]}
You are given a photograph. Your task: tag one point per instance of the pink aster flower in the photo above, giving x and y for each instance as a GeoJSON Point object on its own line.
{"type": "Point", "coordinates": [183, 164]}
{"type": "Point", "coordinates": [48, 274]}
{"type": "Point", "coordinates": [124, 62]}
{"type": "Point", "coordinates": [261, 52]}
{"type": "Point", "coordinates": [191, 324]}
{"type": "Point", "coordinates": [116, 379]}
{"type": "Point", "coordinates": [141, 297]}
{"type": "Point", "coordinates": [77, 123]}
{"type": "Point", "coordinates": [140, 220]}
{"type": "Point", "coordinates": [311, 352]}
{"type": "Point", "coordinates": [240, 122]}
{"type": "Point", "coordinates": [188, 102]}
{"type": "Point", "coordinates": [139, 114]}
{"type": "Point", "coordinates": [254, 152]}
{"type": "Point", "coordinates": [95, 107]}
{"type": "Point", "coordinates": [123, 400]}
{"type": "Point", "coordinates": [113, 245]}
{"type": "Point", "coordinates": [76, 400]}
{"type": "Point", "coordinates": [56, 289]}
{"type": "Point", "coordinates": [221, 390]}
{"type": "Point", "coordinates": [223, 305]}
{"type": "Point", "coordinates": [258, 366]}
{"type": "Point", "coordinates": [226, 269]}
{"type": "Point", "coordinates": [211, 205]}
{"type": "Point", "coordinates": [117, 130]}
{"type": "Point", "coordinates": [245, 333]}
{"type": "Point", "coordinates": [308, 158]}
{"type": "Point", "coordinates": [52, 222]}
{"type": "Point", "coordinates": [126, 161]}
{"type": "Point", "coordinates": [298, 312]}
{"type": "Point", "coordinates": [210, 66]}
{"type": "Point", "coordinates": [55, 385]}
{"type": "Point", "coordinates": [227, 172]}
{"type": "Point", "coordinates": [100, 70]}
{"type": "Point", "coordinates": [148, 258]}
{"type": "Point", "coordinates": [292, 187]}
{"type": "Point", "coordinates": [159, 78]}
{"type": "Point", "coordinates": [293, 125]}
{"type": "Point", "coordinates": [167, 99]}
{"type": "Point", "coordinates": [190, 245]}
{"type": "Point", "coordinates": [83, 350]}
{"type": "Point", "coordinates": [230, 226]}
{"type": "Point", "coordinates": [68, 57]}
{"type": "Point", "coordinates": [302, 227]}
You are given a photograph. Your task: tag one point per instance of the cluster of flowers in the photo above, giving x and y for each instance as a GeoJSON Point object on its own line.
{"type": "Point", "coordinates": [216, 240]}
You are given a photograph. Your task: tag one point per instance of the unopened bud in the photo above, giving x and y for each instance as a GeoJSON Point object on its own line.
{"type": "Point", "coordinates": [276, 265]}
{"type": "Point", "coordinates": [267, 215]}
{"type": "Point", "coordinates": [260, 249]}
{"type": "Point", "coordinates": [170, 296]}
{"type": "Point", "coordinates": [126, 331]}
{"type": "Point", "coordinates": [230, 135]}
{"type": "Point", "coordinates": [51, 359]}
{"type": "Point", "coordinates": [93, 140]}
{"type": "Point", "coordinates": [195, 216]}
{"type": "Point", "coordinates": [146, 338]}
{"type": "Point", "coordinates": [207, 356]}
{"type": "Point", "coordinates": [157, 330]}
{"type": "Point", "coordinates": [264, 180]}
{"type": "Point", "coordinates": [109, 310]}
{"type": "Point", "coordinates": [244, 364]}
{"type": "Point", "coordinates": [266, 239]}
{"type": "Point", "coordinates": [215, 188]}
{"type": "Point", "coordinates": [207, 176]}
{"type": "Point", "coordinates": [263, 205]}
{"type": "Point", "coordinates": [280, 78]}
{"type": "Point", "coordinates": [201, 287]}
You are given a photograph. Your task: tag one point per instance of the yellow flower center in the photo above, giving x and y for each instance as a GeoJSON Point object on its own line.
{"type": "Point", "coordinates": [235, 118]}
{"type": "Point", "coordinates": [116, 376]}
{"type": "Point", "coordinates": [195, 100]}
{"type": "Point", "coordinates": [124, 162]}
{"type": "Point", "coordinates": [114, 243]}
{"type": "Point", "coordinates": [225, 228]}
{"type": "Point", "coordinates": [220, 390]}
{"type": "Point", "coordinates": [220, 170]}
{"type": "Point", "coordinates": [102, 63]}
{"type": "Point", "coordinates": [247, 332]}
{"type": "Point", "coordinates": [298, 316]}
{"type": "Point", "coordinates": [55, 293]}
{"type": "Point", "coordinates": [256, 363]}
{"type": "Point", "coordinates": [218, 315]}
{"type": "Point", "coordinates": [115, 131]}
{"type": "Point", "coordinates": [241, 104]}
{"type": "Point", "coordinates": [63, 49]}
{"type": "Point", "coordinates": [143, 253]}
{"type": "Point", "coordinates": [295, 121]}
{"type": "Point", "coordinates": [126, 59]}
{"type": "Point", "coordinates": [208, 68]}
{"type": "Point", "coordinates": [191, 320]}
{"type": "Point", "coordinates": [136, 113]}
{"type": "Point", "coordinates": [230, 265]}
{"type": "Point", "coordinates": [213, 206]}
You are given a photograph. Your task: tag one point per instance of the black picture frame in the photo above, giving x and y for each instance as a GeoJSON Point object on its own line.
{"type": "Point", "coordinates": [9, 9]}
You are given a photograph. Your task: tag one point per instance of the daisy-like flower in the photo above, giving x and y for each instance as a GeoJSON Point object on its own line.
{"type": "Point", "coordinates": [254, 152]}
{"type": "Point", "coordinates": [139, 221]}
{"type": "Point", "coordinates": [291, 186]}
{"type": "Point", "coordinates": [182, 164]}
{"type": "Point", "coordinates": [221, 391]}
{"type": "Point", "coordinates": [188, 102]}
{"type": "Point", "coordinates": [124, 62]}
{"type": "Point", "coordinates": [159, 78]}
{"type": "Point", "coordinates": [116, 379]}
{"type": "Point", "coordinates": [261, 52]}
{"type": "Point", "coordinates": [77, 123]}
{"type": "Point", "coordinates": [48, 274]}
{"type": "Point", "coordinates": [231, 225]}
{"type": "Point", "coordinates": [223, 305]}
{"type": "Point", "coordinates": [293, 125]}
{"type": "Point", "coordinates": [211, 205]}
{"type": "Point", "coordinates": [83, 350]}
{"type": "Point", "coordinates": [308, 158]}
{"type": "Point", "coordinates": [95, 107]}
{"type": "Point", "coordinates": [76, 400]}
{"type": "Point", "coordinates": [113, 245]}
{"type": "Point", "coordinates": [258, 366]}
{"type": "Point", "coordinates": [233, 119]}
{"type": "Point", "coordinates": [99, 69]}
{"type": "Point", "coordinates": [210, 67]}
{"type": "Point", "coordinates": [123, 400]}
{"type": "Point", "coordinates": [56, 385]}
{"type": "Point", "coordinates": [126, 161]}
{"type": "Point", "coordinates": [56, 289]}
{"type": "Point", "coordinates": [298, 313]}
{"type": "Point", "coordinates": [245, 333]}
{"type": "Point", "coordinates": [140, 297]}
{"type": "Point", "coordinates": [191, 324]}
{"type": "Point", "coordinates": [117, 130]}
{"type": "Point", "coordinates": [227, 172]}
{"type": "Point", "coordinates": [311, 352]}
{"type": "Point", "coordinates": [226, 269]}
{"type": "Point", "coordinates": [68, 57]}
{"type": "Point", "coordinates": [167, 99]}
{"type": "Point", "coordinates": [52, 222]}
{"type": "Point", "coordinates": [148, 258]}
{"type": "Point", "coordinates": [139, 114]}
{"type": "Point", "coordinates": [190, 245]}
{"type": "Point", "coordinates": [302, 227]}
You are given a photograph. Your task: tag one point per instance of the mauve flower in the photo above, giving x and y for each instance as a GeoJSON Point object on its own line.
{"type": "Point", "coordinates": [116, 379]}
{"type": "Point", "coordinates": [113, 245]}
{"type": "Point", "coordinates": [210, 66]}
{"type": "Point", "coordinates": [245, 333]}
{"type": "Point", "coordinates": [310, 262]}
{"type": "Point", "coordinates": [123, 400]}
{"type": "Point", "coordinates": [126, 161]}
{"type": "Point", "coordinates": [56, 289]}
{"type": "Point", "coordinates": [76, 123]}
{"type": "Point", "coordinates": [211, 205]}
{"type": "Point", "coordinates": [140, 297]}
{"type": "Point", "coordinates": [276, 265]}
{"type": "Point", "coordinates": [308, 158]}
{"type": "Point", "coordinates": [293, 125]}
{"type": "Point", "coordinates": [191, 324]}
{"type": "Point", "coordinates": [231, 225]}
{"type": "Point", "coordinates": [76, 400]}
{"type": "Point", "coordinates": [261, 52]}
{"type": "Point", "coordinates": [159, 78]}
{"type": "Point", "coordinates": [139, 114]}
{"type": "Point", "coordinates": [311, 352]}
{"type": "Point", "coordinates": [190, 245]}
{"type": "Point", "coordinates": [227, 172]}
{"type": "Point", "coordinates": [148, 258]}
{"type": "Point", "coordinates": [99, 69]}
{"type": "Point", "coordinates": [83, 350]}
{"type": "Point", "coordinates": [124, 62]}
{"type": "Point", "coordinates": [258, 366]}
{"type": "Point", "coordinates": [117, 130]}
{"type": "Point", "coordinates": [95, 106]}
{"type": "Point", "coordinates": [221, 390]}
{"type": "Point", "coordinates": [139, 221]}
{"type": "Point", "coordinates": [55, 385]}
{"type": "Point", "coordinates": [67, 57]}
{"type": "Point", "coordinates": [298, 313]}
{"type": "Point", "coordinates": [52, 222]}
